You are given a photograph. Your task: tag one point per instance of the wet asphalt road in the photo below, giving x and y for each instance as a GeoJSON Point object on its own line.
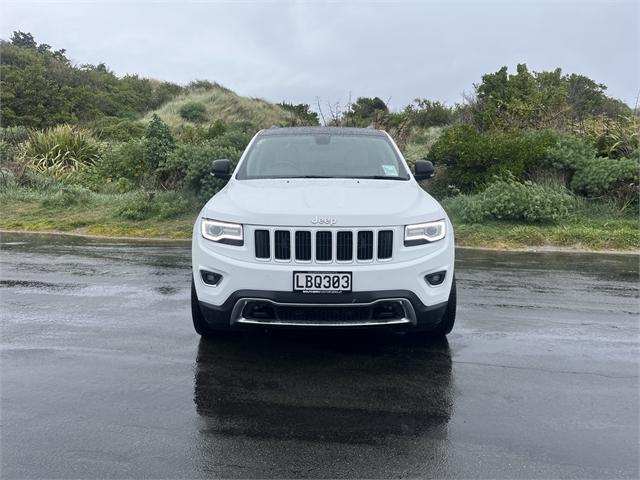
{"type": "Point", "coordinates": [103, 377]}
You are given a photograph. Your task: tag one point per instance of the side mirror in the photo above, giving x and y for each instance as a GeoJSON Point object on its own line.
{"type": "Point", "coordinates": [221, 168]}
{"type": "Point", "coordinates": [423, 170]}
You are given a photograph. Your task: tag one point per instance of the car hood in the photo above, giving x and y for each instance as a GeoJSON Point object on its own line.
{"type": "Point", "coordinates": [341, 202]}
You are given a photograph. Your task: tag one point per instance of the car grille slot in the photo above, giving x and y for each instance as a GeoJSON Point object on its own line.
{"type": "Point", "coordinates": [385, 244]}
{"type": "Point", "coordinates": [282, 244]}
{"type": "Point", "coordinates": [332, 314]}
{"type": "Point", "coordinates": [344, 246]}
{"type": "Point", "coordinates": [323, 246]}
{"type": "Point", "coordinates": [285, 245]}
{"type": "Point", "coordinates": [263, 247]}
{"type": "Point", "coordinates": [303, 246]}
{"type": "Point", "coordinates": [365, 245]}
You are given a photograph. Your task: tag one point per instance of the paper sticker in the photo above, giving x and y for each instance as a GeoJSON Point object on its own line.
{"type": "Point", "coordinates": [390, 170]}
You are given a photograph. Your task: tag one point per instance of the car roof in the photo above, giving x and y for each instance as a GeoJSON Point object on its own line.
{"type": "Point", "coordinates": [322, 130]}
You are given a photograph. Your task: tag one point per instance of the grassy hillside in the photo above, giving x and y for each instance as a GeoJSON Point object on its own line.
{"type": "Point", "coordinates": [222, 104]}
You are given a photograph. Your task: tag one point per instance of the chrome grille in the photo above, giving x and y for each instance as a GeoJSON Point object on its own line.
{"type": "Point", "coordinates": [263, 247]}
{"type": "Point", "coordinates": [365, 245]}
{"type": "Point", "coordinates": [344, 246]}
{"type": "Point", "coordinates": [283, 244]}
{"type": "Point", "coordinates": [303, 246]}
{"type": "Point", "coordinates": [385, 244]}
{"type": "Point", "coordinates": [323, 245]}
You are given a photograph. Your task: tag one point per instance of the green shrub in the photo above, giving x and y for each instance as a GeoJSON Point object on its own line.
{"type": "Point", "coordinates": [426, 113]}
{"type": "Point", "coordinates": [120, 169]}
{"type": "Point", "coordinates": [143, 205]}
{"type": "Point", "coordinates": [508, 199]}
{"type": "Point", "coordinates": [441, 185]}
{"type": "Point", "coordinates": [117, 129]}
{"type": "Point", "coordinates": [234, 139]}
{"type": "Point", "coordinates": [473, 159]}
{"type": "Point", "coordinates": [158, 144]}
{"type": "Point", "coordinates": [569, 152]}
{"type": "Point", "coordinates": [216, 129]}
{"type": "Point", "coordinates": [419, 143]}
{"type": "Point", "coordinates": [237, 135]}
{"type": "Point", "coordinates": [617, 179]}
{"type": "Point", "coordinates": [68, 196]}
{"type": "Point", "coordinates": [194, 112]}
{"type": "Point", "coordinates": [303, 113]}
{"type": "Point", "coordinates": [61, 150]}
{"type": "Point", "coordinates": [190, 167]}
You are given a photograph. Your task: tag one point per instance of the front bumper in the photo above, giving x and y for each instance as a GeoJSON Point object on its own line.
{"type": "Point", "coordinates": [401, 279]}
{"type": "Point", "coordinates": [348, 310]}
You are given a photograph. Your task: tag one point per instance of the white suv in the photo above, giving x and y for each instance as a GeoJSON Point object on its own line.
{"type": "Point", "coordinates": [323, 227]}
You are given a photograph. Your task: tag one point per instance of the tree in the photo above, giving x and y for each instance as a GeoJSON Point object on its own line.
{"type": "Point", "coordinates": [545, 99]}
{"type": "Point", "coordinates": [367, 108]}
{"type": "Point", "coordinates": [303, 113]}
{"type": "Point", "coordinates": [24, 40]}
{"type": "Point", "coordinates": [427, 113]}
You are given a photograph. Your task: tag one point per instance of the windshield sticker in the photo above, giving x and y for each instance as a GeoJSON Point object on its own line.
{"type": "Point", "coordinates": [390, 170]}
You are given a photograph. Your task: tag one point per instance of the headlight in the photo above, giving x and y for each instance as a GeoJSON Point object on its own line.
{"type": "Point", "coordinates": [424, 233]}
{"type": "Point", "coordinates": [222, 232]}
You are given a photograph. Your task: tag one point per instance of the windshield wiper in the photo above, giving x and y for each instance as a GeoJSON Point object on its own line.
{"type": "Point", "coordinates": [382, 177]}
{"type": "Point", "coordinates": [371, 177]}
{"type": "Point", "coordinates": [312, 176]}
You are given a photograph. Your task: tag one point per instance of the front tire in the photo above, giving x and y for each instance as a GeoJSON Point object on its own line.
{"type": "Point", "coordinates": [449, 317]}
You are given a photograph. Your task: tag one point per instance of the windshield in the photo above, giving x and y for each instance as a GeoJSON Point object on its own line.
{"type": "Point", "coordinates": [322, 156]}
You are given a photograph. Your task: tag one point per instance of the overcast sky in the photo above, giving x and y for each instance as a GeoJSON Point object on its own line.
{"type": "Point", "coordinates": [297, 51]}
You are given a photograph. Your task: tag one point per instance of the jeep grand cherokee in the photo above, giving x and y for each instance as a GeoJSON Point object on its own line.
{"type": "Point", "coordinates": [323, 227]}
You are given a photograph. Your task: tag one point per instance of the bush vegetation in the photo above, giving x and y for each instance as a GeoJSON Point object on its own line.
{"type": "Point", "coordinates": [194, 112]}
{"type": "Point", "coordinates": [509, 199]}
{"type": "Point", "coordinates": [533, 152]}
{"type": "Point", "coordinates": [473, 158]}
{"type": "Point", "coordinates": [617, 179]}
{"type": "Point", "coordinates": [41, 88]}
{"type": "Point", "coordinates": [114, 129]}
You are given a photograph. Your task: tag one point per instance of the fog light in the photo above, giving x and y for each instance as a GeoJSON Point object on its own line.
{"type": "Point", "coordinates": [210, 278]}
{"type": "Point", "coordinates": [258, 311]}
{"type": "Point", "coordinates": [388, 311]}
{"type": "Point", "coordinates": [435, 278]}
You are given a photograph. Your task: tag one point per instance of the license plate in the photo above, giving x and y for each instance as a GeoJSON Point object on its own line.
{"type": "Point", "coordinates": [322, 282]}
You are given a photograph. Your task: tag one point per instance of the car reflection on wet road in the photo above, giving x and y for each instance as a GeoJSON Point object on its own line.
{"type": "Point", "coordinates": [102, 375]}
